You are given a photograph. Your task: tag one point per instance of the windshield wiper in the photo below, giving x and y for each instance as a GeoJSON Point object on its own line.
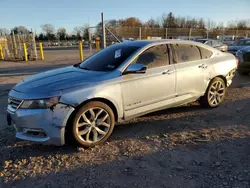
{"type": "Point", "coordinates": [84, 68]}
{"type": "Point", "coordinates": [78, 65]}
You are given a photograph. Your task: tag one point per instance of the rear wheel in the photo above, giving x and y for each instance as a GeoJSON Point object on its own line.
{"type": "Point", "coordinates": [215, 93]}
{"type": "Point", "coordinates": [93, 124]}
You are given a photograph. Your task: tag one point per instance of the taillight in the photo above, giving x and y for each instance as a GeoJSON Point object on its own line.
{"type": "Point", "coordinates": [237, 62]}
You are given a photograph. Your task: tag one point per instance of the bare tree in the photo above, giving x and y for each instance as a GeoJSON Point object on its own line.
{"type": "Point", "coordinates": [210, 24]}
{"type": "Point", "coordinates": [201, 23]}
{"type": "Point", "coordinates": [4, 31]}
{"type": "Point", "coordinates": [248, 23]}
{"type": "Point", "coordinates": [181, 22]}
{"type": "Point", "coordinates": [152, 23]}
{"type": "Point", "coordinates": [20, 30]}
{"type": "Point", "coordinates": [49, 30]}
{"type": "Point", "coordinates": [131, 22]}
{"type": "Point", "coordinates": [242, 24]}
{"type": "Point", "coordinates": [239, 24]}
{"type": "Point", "coordinates": [220, 25]}
{"type": "Point", "coordinates": [169, 21]}
{"type": "Point", "coordinates": [79, 32]}
{"type": "Point", "coordinates": [232, 24]}
{"type": "Point", "coordinates": [62, 33]}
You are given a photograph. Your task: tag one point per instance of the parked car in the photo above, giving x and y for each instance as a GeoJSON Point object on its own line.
{"type": "Point", "coordinates": [238, 45]}
{"type": "Point", "coordinates": [84, 101]}
{"type": "Point", "coordinates": [214, 43]}
{"type": "Point", "coordinates": [243, 55]}
{"type": "Point", "coordinates": [124, 39]}
{"type": "Point", "coordinates": [230, 39]}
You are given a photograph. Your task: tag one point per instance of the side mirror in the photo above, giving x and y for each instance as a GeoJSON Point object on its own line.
{"type": "Point", "coordinates": [136, 68]}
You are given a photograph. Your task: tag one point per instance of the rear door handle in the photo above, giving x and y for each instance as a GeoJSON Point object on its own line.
{"type": "Point", "coordinates": [167, 71]}
{"type": "Point", "coordinates": [203, 66]}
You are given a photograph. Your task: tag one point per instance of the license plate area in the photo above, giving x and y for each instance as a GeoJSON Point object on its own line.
{"type": "Point", "coordinates": [10, 121]}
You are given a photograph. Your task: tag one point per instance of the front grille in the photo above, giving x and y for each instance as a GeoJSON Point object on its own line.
{"type": "Point", "coordinates": [246, 56]}
{"type": "Point", "coordinates": [14, 103]}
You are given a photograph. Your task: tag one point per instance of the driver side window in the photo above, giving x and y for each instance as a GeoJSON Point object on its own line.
{"type": "Point", "coordinates": [155, 56]}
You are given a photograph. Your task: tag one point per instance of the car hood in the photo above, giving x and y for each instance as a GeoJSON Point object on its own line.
{"type": "Point", "coordinates": [58, 79]}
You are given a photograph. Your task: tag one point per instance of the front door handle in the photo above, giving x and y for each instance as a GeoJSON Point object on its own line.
{"type": "Point", "coordinates": [167, 71]}
{"type": "Point", "coordinates": [203, 66]}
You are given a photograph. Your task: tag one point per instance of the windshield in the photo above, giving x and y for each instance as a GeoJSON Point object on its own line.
{"type": "Point", "coordinates": [109, 58]}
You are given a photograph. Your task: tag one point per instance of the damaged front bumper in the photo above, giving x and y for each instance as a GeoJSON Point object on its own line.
{"type": "Point", "coordinates": [41, 125]}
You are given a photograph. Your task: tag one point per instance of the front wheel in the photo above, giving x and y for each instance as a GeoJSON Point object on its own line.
{"type": "Point", "coordinates": [93, 124]}
{"type": "Point", "coordinates": [215, 93]}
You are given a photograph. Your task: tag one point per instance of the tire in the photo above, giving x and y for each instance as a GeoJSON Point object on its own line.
{"type": "Point", "coordinates": [243, 73]}
{"type": "Point", "coordinates": [215, 94]}
{"type": "Point", "coordinates": [93, 124]}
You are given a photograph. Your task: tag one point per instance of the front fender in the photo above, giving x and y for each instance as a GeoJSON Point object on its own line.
{"type": "Point", "coordinates": [110, 92]}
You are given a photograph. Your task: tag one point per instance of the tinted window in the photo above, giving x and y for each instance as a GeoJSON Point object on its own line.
{"type": "Point", "coordinates": [186, 52]}
{"type": "Point", "coordinates": [228, 38]}
{"type": "Point", "coordinates": [205, 54]}
{"type": "Point", "coordinates": [156, 56]}
{"type": "Point", "coordinates": [109, 58]}
{"type": "Point", "coordinates": [215, 43]}
{"type": "Point", "coordinates": [220, 43]}
{"type": "Point", "coordinates": [209, 43]}
{"type": "Point", "coordinates": [244, 42]}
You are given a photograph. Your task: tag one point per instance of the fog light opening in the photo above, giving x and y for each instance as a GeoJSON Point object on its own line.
{"type": "Point", "coordinates": [35, 132]}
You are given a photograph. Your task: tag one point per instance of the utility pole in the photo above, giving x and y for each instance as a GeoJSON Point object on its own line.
{"type": "Point", "coordinates": [103, 32]}
{"type": "Point", "coordinates": [139, 33]}
{"type": "Point", "coordinates": [90, 40]}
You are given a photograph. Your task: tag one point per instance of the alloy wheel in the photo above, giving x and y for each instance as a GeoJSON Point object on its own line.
{"type": "Point", "coordinates": [216, 93]}
{"type": "Point", "coordinates": [93, 125]}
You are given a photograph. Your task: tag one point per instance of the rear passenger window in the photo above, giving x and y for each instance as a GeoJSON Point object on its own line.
{"type": "Point", "coordinates": [155, 56]}
{"type": "Point", "coordinates": [209, 43]}
{"type": "Point", "coordinates": [186, 52]}
{"type": "Point", "coordinates": [205, 54]}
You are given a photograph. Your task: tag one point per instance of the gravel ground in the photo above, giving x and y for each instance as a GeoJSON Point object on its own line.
{"type": "Point", "coordinates": [181, 147]}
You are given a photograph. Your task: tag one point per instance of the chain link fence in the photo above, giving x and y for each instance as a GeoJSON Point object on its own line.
{"type": "Point", "coordinates": [138, 33]}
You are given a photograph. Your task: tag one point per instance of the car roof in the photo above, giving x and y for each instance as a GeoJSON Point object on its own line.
{"type": "Point", "coordinates": [202, 39]}
{"type": "Point", "coordinates": [142, 43]}
{"type": "Point", "coordinates": [245, 39]}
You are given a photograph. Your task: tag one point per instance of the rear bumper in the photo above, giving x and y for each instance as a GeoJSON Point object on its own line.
{"type": "Point", "coordinates": [41, 125]}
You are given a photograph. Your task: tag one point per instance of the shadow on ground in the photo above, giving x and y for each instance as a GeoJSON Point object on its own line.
{"type": "Point", "coordinates": [181, 147]}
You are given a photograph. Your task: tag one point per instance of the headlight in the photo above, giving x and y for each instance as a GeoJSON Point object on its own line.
{"type": "Point", "coordinates": [40, 103]}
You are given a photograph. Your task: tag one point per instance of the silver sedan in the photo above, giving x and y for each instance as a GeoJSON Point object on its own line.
{"type": "Point", "coordinates": [84, 101]}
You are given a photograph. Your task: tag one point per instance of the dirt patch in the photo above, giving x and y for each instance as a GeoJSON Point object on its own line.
{"type": "Point", "coordinates": [181, 147]}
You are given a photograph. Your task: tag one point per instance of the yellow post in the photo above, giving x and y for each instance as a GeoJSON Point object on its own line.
{"type": "Point", "coordinates": [41, 50]}
{"type": "Point", "coordinates": [25, 52]}
{"type": "Point", "coordinates": [97, 43]}
{"type": "Point", "coordinates": [1, 52]}
{"type": "Point", "coordinates": [80, 50]}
